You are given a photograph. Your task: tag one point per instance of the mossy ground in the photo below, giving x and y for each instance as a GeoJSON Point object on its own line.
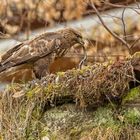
{"type": "Point", "coordinates": [67, 122]}
{"type": "Point", "coordinates": [77, 104]}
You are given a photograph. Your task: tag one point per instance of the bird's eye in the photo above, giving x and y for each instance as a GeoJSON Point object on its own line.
{"type": "Point", "coordinates": [79, 36]}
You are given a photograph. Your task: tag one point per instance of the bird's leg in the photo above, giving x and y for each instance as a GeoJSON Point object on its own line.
{"type": "Point", "coordinates": [84, 58]}
{"type": "Point", "coordinates": [41, 67]}
{"type": "Point", "coordinates": [41, 72]}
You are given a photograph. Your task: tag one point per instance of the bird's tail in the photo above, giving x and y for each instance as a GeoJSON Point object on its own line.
{"type": "Point", "coordinates": [5, 66]}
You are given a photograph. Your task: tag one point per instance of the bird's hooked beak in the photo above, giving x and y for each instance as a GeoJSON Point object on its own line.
{"type": "Point", "coordinates": [81, 41]}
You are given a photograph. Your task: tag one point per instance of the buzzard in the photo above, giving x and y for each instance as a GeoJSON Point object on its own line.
{"type": "Point", "coordinates": [41, 51]}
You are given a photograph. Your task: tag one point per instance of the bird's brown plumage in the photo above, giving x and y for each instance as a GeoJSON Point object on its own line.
{"type": "Point", "coordinates": [41, 51]}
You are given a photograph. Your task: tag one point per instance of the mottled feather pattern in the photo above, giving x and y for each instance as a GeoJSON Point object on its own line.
{"type": "Point", "coordinates": [41, 51]}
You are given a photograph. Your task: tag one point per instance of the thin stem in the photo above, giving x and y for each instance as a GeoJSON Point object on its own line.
{"type": "Point", "coordinates": [111, 32]}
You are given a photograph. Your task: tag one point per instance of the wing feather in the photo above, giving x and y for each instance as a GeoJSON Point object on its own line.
{"type": "Point", "coordinates": [29, 52]}
{"type": "Point", "coordinates": [10, 52]}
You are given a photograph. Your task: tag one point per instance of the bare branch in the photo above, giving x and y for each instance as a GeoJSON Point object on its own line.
{"type": "Point", "coordinates": [112, 16]}
{"type": "Point", "coordinates": [123, 22]}
{"type": "Point", "coordinates": [136, 11]}
{"type": "Point", "coordinates": [137, 4]}
{"type": "Point", "coordinates": [134, 43]}
{"type": "Point", "coordinates": [111, 32]}
{"type": "Point", "coordinates": [119, 5]}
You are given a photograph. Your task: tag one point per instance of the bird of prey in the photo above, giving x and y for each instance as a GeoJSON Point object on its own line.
{"type": "Point", "coordinates": [41, 51]}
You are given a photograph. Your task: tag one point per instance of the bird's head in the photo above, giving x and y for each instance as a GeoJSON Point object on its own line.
{"type": "Point", "coordinates": [72, 36]}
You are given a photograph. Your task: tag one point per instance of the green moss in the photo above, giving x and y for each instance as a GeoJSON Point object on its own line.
{"type": "Point", "coordinates": [132, 95]}
{"type": "Point", "coordinates": [136, 55]}
{"type": "Point", "coordinates": [32, 92]}
{"type": "Point", "coordinates": [75, 131]}
{"type": "Point", "coordinates": [81, 71]}
{"type": "Point", "coordinates": [52, 87]}
{"type": "Point", "coordinates": [132, 116]}
{"type": "Point", "coordinates": [106, 64]}
{"type": "Point", "coordinates": [45, 132]}
{"type": "Point", "coordinates": [60, 74]}
{"type": "Point", "coordinates": [104, 117]}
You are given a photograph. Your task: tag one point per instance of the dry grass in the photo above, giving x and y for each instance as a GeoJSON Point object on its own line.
{"type": "Point", "coordinates": [22, 105]}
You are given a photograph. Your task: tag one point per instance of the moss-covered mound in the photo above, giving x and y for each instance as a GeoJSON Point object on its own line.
{"type": "Point", "coordinates": [26, 108]}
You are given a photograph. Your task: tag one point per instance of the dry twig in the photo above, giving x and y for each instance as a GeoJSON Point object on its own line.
{"type": "Point", "coordinates": [111, 32]}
